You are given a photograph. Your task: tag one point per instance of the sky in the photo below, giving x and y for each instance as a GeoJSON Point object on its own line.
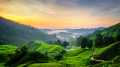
{"type": "Point", "coordinates": [62, 13]}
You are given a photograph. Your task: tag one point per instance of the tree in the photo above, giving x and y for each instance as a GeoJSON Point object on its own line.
{"type": "Point", "coordinates": [108, 40]}
{"type": "Point", "coordinates": [58, 42]}
{"type": "Point", "coordinates": [118, 36]}
{"type": "Point", "coordinates": [99, 40]}
{"type": "Point", "coordinates": [82, 41]}
{"type": "Point", "coordinates": [65, 44]}
{"type": "Point", "coordinates": [90, 43]}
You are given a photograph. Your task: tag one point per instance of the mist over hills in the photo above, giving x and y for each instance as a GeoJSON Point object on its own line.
{"type": "Point", "coordinates": [68, 34]}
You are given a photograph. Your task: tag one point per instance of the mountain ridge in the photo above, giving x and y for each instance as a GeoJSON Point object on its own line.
{"type": "Point", "coordinates": [15, 33]}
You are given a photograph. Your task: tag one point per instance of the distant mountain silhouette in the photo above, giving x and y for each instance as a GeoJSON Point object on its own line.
{"type": "Point", "coordinates": [15, 33]}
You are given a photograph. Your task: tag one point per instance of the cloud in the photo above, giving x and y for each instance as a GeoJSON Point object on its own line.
{"type": "Point", "coordinates": [52, 7]}
{"type": "Point", "coordinates": [98, 7]}
{"type": "Point", "coordinates": [69, 13]}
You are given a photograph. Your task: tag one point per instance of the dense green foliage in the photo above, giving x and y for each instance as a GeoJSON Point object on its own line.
{"type": "Point", "coordinates": [100, 49]}
{"type": "Point", "coordinates": [84, 42]}
{"type": "Point", "coordinates": [100, 38]}
{"type": "Point", "coordinates": [6, 51]}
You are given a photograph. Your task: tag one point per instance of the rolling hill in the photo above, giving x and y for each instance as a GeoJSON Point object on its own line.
{"type": "Point", "coordinates": [14, 33]}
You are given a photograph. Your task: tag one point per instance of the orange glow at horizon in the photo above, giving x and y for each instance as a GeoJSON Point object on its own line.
{"type": "Point", "coordinates": [40, 22]}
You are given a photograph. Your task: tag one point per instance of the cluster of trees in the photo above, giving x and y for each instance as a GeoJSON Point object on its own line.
{"type": "Point", "coordinates": [84, 42]}
{"type": "Point", "coordinates": [62, 43]}
{"type": "Point", "coordinates": [99, 40]}
{"type": "Point", "coordinates": [102, 40]}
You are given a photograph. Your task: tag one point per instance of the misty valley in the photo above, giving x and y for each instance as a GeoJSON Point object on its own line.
{"type": "Point", "coordinates": [25, 46]}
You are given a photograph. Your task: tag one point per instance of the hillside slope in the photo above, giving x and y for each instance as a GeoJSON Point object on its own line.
{"type": "Point", "coordinates": [14, 33]}
{"type": "Point", "coordinates": [106, 36]}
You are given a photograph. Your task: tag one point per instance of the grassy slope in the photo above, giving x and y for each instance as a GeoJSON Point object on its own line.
{"type": "Point", "coordinates": [112, 50]}
{"type": "Point", "coordinates": [77, 56]}
{"type": "Point", "coordinates": [51, 50]}
{"type": "Point", "coordinates": [74, 57]}
{"type": "Point", "coordinates": [7, 49]}
{"type": "Point", "coordinates": [46, 65]}
{"type": "Point", "coordinates": [109, 54]}
{"type": "Point", "coordinates": [5, 52]}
